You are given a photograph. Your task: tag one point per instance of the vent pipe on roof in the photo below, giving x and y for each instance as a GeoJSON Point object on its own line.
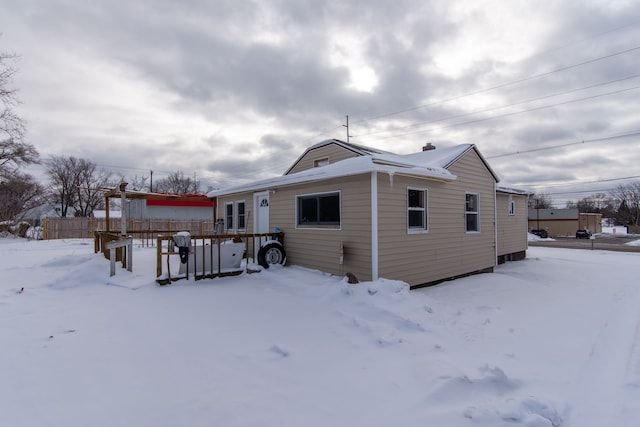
{"type": "Point", "coordinates": [428, 147]}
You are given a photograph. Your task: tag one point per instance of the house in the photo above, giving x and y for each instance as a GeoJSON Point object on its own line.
{"type": "Point", "coordinates": [420, 218]}
{"type": "Point", "coordinates": [564, 222]}
{"type": "Point", "coordinates": [511, 206]}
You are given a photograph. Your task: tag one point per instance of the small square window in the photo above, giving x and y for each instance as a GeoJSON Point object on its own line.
{"type": "Point", "coordinates": [320, 162]}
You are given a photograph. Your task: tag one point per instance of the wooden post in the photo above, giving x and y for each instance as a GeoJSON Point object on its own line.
{"type": "Point", "coordinates": [122, 243]}
{"type": "Point", "coordinates": [219, 249]}
{"type": "Point", "coordinates": [106, 204]}
{"type": "Point", "coordinates": [112, 259]}
{"type": "Point", "coordinates": [130, 255]}
{"type": "Point", "coordinates": [159, 257]}
{"type": "Point", "coordinates": [123, 209]}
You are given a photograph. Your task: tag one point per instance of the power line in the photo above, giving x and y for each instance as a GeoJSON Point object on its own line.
{"type": "Point", "coordinates": [506, 106]}
{"type": "Point", "coordinates": [583, 182]}
{"type": "Point", "coordinates": [501, 85]}
{"type": "Point", "coordinates": [585, 141]}
{"type": "Point", "coordinates": [512, 114]}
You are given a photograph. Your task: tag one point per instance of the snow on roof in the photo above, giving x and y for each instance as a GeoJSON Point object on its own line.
{"type": "Point", "coordinates": [425, 164]}
{"type": "Point", "coordinates": [507, 188]}
{"type": "Point", "coordinates": [358, 149]}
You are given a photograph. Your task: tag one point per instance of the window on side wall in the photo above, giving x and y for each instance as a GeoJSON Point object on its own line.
{"type": "Point", "coordinates": [318, 210]}
{"type": "Point", "coordinates": [512, 206]}
{"type": "Point", "coordinates": [416, 209]}
{"type": "Point", "coordinates": [228, 216]}
{"type": "Point", "coordinates": [472, 214]}
{"type": "Point", "coordinates": [242, 216]}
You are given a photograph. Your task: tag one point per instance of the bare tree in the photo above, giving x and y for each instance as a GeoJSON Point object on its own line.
{"type": "Point", "coordinates": [19, 193]}
{"type": "Point", "coordinates": [75, 185]}
{"type": "Point", "coordinates": [135, 182]}
{"type": "Point", "coordinates": [62, 184]}
{"type": "Point", "coordinates": [540, 201]}
{"type": "Point", "coordinates": [14, 151]}
{"type": "Point", "coordinates": [596, 203]}
{"type": "Point", "coordinates": [177, 183]}
{"type": "Point", "coordinates": [628, 198]}
{"type": "Point", "coordinates": [91, 181]}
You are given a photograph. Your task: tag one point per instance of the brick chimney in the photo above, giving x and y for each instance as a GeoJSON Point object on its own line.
{"type": "Point", "coordinates": [428, 147]}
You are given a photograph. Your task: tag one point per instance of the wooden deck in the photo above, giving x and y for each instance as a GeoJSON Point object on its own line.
{"type": "Point", "coordinates": [166, 251]}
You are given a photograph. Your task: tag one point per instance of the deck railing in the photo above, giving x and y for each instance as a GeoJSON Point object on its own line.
{"type": "Point", "coordinates": [166, 251]}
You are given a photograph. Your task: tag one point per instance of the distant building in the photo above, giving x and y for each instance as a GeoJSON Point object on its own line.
{"type": "Point", "coordinates": [187, 207]}
{"type": "Point", "coordinates": [564, 222]}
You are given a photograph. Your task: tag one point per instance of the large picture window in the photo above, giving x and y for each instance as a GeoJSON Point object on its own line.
{"type": "Point", "coordinates": [416, 209]}
{"type": "Point", "coordinates": [319, 210]}
{"type": "Point", "coordinates": [472, 214]}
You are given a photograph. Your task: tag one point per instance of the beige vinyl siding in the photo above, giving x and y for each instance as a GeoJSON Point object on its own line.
{"type": "Point", "coordinates": [333, 152]}
{"type": "Point", "coordinates": [249, 209]}
{"type": "Point", "coordinates": [319, 248]}
{"type": "Point", "coordinates": [446, 250]}
{"type": "Point", "coordinates": [512, 229]}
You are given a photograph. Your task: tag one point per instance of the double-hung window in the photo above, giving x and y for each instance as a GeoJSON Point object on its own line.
{"type": "Point", "coordinates": [322, 210]}
{"type": "Point", "coordinates": [242, 216]}
{"type": "Point", "coordinates": [416, 209]}
{"type": "Point", "coordinates": [472, 212]}
{"type": "Point", "coordinates": [228, 216]}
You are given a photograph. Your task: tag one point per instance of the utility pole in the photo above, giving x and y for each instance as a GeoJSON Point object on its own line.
{"type": "Point", "coordinates": [151, 184]}
{"type": "Point", "coordinates": [347, 126]}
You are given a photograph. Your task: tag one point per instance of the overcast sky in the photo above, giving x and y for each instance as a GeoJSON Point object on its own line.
{"type": "Point", "coordinates": [235, 91]}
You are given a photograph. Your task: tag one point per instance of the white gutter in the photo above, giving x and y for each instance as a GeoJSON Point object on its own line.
{"type": "Point", "coordinates": [374, 225]}
{"type": "Point", "coordinates": [495, 222]}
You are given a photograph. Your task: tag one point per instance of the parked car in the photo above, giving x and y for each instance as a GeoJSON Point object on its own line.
{"type": "Point", "coordinates": [540, 233]}
{"type": "Point", "coordinates": [583, 233]}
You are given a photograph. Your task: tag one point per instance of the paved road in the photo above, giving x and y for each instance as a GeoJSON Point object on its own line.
{"type": "Point", "coordinates": [599, 243]}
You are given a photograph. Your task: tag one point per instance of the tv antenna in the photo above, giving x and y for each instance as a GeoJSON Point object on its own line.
{"type": "Point", "coordinates": [347, 126]}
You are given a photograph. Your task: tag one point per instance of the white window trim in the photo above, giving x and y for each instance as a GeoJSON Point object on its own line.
{"type": "Point", "coordinates": [226, 216]}
{"type": "Point", "coordinates": [318, 227]}
{"type": "Point", "coordinates": [511, 208]}
{"type": "Point", "coordinates": [320, 160]}
{"type": "Point", "coordinates": [466, 212]}
{"type": "Point", "coordinates": [425, 211]}
{"type": "Point", "coordinates": [237, 215]}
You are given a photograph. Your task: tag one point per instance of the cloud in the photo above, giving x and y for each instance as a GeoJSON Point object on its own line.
{"type": "Point", "coordinates": [212, 86]}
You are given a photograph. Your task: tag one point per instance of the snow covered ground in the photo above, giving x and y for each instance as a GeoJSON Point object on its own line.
{"type": "Point", "coordinates": [553, 340]}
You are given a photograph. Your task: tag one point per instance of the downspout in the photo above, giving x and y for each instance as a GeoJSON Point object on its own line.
{"type": "Point", "coordinates": [495, 222]}
{"type": "Point", "coordinates": [123, 209]}
{"type": "Point", "coordinates": [374, 225]}
{"type": "Point", "coordinates": [526, 234]}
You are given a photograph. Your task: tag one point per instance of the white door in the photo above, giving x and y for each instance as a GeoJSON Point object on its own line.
{"type": "Point", "coordinates": [261, 224]}
{"type": "Point", "coordinates": [262, 213]}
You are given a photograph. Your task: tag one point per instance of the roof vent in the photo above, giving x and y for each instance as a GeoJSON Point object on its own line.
{"type": "Point", "coordinates": [428, 147]}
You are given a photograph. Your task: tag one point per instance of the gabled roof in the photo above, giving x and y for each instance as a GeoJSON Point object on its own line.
{"type": "Point", "coordinates": [447, 157]}
{"type": "Point", "coordinates": [357, 149]}
{"type": "Point", "coordinates": [431, 164]}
